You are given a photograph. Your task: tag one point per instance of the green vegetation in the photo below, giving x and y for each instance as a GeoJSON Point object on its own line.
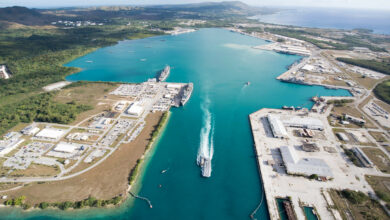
{"type": "Point", "coordinates": [48, 49]}
{"type": "Point", "coordinates": [348, 42]}
{"type": "Point", "coordinates": [156, 132]}
{"type": "Point", "coordinates": [379, 66]}
{"type": "Point", "coordinates": [340, 102]}
{"type": "Point", "coordinates": [352, 157]}
{"type": "Point", "coordinates": [89, 202]}
{"type": "Point", "coordinates": [134, 171]}
{"type": "Point", "coordinates": [15, 202]}
{"type": "Point", "coordinates": [44, 205]}
{"type": "Point", "coordinates": [382, 91]}
{"type": "Point", "coordinates": [39, 108]}
{"type": "Point", "coordinates": [356, 205]}
{"type": "Point", "coordinates": [313, 177]}
{"type": "Point", "coordinates": [354, 197]}
{"type": "Point", "coordinates": [383, 195]}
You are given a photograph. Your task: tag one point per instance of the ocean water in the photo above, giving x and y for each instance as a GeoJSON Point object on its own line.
{"type": "Point", "coordinates": [376, 20]}
{"type": "Point", "coordinates": [219, 63]}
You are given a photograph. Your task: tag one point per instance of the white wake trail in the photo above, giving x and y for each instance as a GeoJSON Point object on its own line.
{"type": "Point", "coordinates": [206, 146]}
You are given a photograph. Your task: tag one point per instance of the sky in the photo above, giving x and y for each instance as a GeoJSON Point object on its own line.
{"type": "Point", "coordinates": [363, 4]}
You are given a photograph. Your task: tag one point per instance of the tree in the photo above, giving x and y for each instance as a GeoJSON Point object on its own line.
{"type": "Point", "coordinates": [43, 205]}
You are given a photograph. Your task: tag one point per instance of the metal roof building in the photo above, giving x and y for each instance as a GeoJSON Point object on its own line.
{"type": "Point", "coordinates": [304, 166]}
{"type": "Point", "coordinates": [277, 127]}
{"type": "Point", "coordinates": [135, 109]}
{"type": "Point", "coordinates": [304, 122]}
{"type": "Point", "coordinates": [50, 133]}
{"type": "Point", "coordinates": [65, 148]}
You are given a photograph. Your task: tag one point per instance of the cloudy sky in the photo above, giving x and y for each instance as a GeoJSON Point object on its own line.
{"type": "Point", "coordinates": [372, 4]}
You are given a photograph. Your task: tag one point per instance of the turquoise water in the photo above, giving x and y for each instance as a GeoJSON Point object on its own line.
{"type": "Point", "coordinates": [281, 209]}
{"type": "Point", "coordinates": [309, 213]}
{"type": "Point", "coordinates": [218, 62]}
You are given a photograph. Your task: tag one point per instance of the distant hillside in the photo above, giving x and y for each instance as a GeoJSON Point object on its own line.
{"type": "Point", "coordinates": [207, 10]}
{"type": "Point", "coordinates": [225, 8]}
{"type": "Point", "coordinates": [23, 15]}
{"type": "Point", "coordinates": [159, 12]}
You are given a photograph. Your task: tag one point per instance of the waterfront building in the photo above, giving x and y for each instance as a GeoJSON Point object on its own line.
{"type": "Point", "coordinates": [277, 127]}
{"type": "Point", "coordinates": [304, 166]}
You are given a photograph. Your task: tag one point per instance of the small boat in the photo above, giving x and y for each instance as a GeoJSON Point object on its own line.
{"type": "Point", "coordinates": [163, 171]}
{"type": "Point", "coordinates": [143, 59]}
{"type": "Point", "coordinates": [89, 61]}
{"type": "Point", "coordinates": [247, 83]}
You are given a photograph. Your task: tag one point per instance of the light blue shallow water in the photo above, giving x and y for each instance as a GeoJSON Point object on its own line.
{"type": "Point", "coordinates": [218, 62]}
{"type": "Point", "coordinates": [376, 20]}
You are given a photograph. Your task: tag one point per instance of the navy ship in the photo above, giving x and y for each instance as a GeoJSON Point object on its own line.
{"type": "Point", "coordinates": [163, 75]}
{"type": "Point", "coordinates": [187, 91]}
{"type": "Point", "coordinates": [205, 164]}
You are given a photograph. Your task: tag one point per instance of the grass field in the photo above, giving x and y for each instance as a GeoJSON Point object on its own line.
{"type": "Point", "coordinates": [367, 209]}
{"type": "Point", "coordinates": [378, 136]}
{"type": "Point", "coordinates": [379, 158]}
{"type": "Point", "coordinates": [382, 91]}
{"type": "Point", "coordinates": [35, 170]}
{"type": "Point", "coordinates": [381, 186]}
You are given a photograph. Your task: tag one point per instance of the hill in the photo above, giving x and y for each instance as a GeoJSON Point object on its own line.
{"type": "Point", "coordinates": [23, 15]}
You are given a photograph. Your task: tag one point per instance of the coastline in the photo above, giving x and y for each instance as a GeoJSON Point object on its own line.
{"type": "Point", "coordinates": [283, 76]}
{"type": "Point", "coordinates": [147, 153]}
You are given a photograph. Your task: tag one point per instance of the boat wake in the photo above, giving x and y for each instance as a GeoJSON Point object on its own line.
{"type": "Point", "coordinates": [206, 147]}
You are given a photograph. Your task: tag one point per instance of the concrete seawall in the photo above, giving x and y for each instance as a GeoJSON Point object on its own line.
{"type": "Point", "coordinates": [271, 202]}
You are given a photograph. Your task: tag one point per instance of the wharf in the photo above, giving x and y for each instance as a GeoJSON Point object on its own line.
{"type": "Point", "coordinates": [259, 148]}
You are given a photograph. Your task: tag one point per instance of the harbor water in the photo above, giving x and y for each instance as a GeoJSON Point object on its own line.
{"type": "Point", "coordinates": [219, 63]}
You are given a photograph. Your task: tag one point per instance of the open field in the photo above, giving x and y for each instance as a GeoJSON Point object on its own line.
{"type": "Point", "coordinates": [89, 94]}
{"type": "Point", "coordinates": [367, 209]}
{"type": "Point", "coordinates": [379, 158]}
{"type": "Point", "coordinates": [108, 179]}
{"type": "Point", "coordinates": [378, 136]}
{"type": "Point", "coordinates": [381, 186]}
{"type": "Point", "coordinates": [351, 110]}
{"type": "Point", "coordinates": [36, 170]}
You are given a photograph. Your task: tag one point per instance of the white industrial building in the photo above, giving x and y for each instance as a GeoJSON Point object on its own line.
{"type": "Point", "coordinates": [277, 127]}
{"type": "Point", "coordinates": [304, 166]}
{"type": "Point", "coordinates": [50, 133]}
{"type": "Point", "coordinates": [30, 130]}
{"type": "Point", "coordinates": [7, 146]}
{"type": "Point", "coordinates": [354, 119]}
{"type": "Point", "coordinates": [342, 136]}
{"type": "Point", "coordinates": [65, 148]}
{"type": "Point", "coordinates": [304, 122]}
{"type": "Point", "coordinates": [135, 109]}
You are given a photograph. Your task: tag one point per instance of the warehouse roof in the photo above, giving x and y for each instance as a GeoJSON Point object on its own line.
{"type": "Point", "coordinates": [304, 166]}
{"type": "Point", "coordinates": [64, 147]}
{"type": "Point", "coordinates": [51, 133]}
